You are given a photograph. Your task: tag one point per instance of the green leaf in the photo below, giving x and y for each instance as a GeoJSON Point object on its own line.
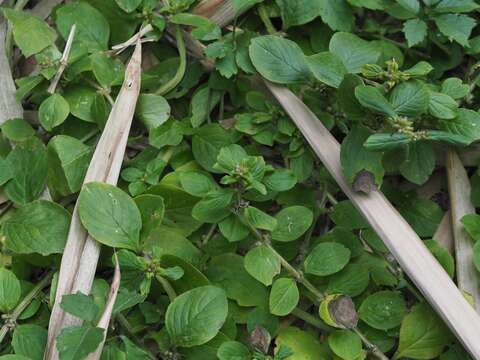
{"type": "Point", "coordinates": [455, 6]}
{"type": "Point", "coordinates": [228, 271]}
{"type": "Point", "coordinates": [412, 6]}
{"type": "Point", "coordinates": [383, 142]}
{"type": "Point", "coordinates": [303, 344]}
{"type": "Point", "coordinates": [383, 310]}
{"type": "Point", "coordinates": [53, 111]}
{"type": "Point", "coordinates": [373, 99]}
{"type": "Point", "coordinates": [233, 350]}
{"type": "Point", "coordinates": [233, 228]}
{"type": "Point", "coordinates": [354, 157]}
{"type": "Point", "coordinates": [415, 31]}
{"type": "Point", "coordinates": [31, 229]}
{"type": "Point", "coordinates": [259, 219]}
{"type": "Point", "coordinates": [170, 133]}
{"type": "Point", "coordinates": [284, 297]}
{"type": "Point", "coordinates": [442, 106]}
{"type": "Point", "coordinates": [420, 162]}
{"type": "Point", "coordinates": [471, 222]}
{"type": "Point", "coordinates": [80, 305]}
{"type": "Point", "coordinates": [345, 344]}
{"type": "Point", "coordinates": [75, 343]}
{"type": "Point", "coordinates": [443, 256]}
{"type": "Point", "coordinates": [10, 290]}
{"type": "Point", "coordinates": [467, 124]}
{"type": "Point", "coordinates": [455, 88]}
{"type": "Point", "coordinates": [292, 222]}
{"type": "Point", "coordinates": [280, 180]}
{"type": "Point", "coordinates": [6, 172]}
{"type": "Point", "coordinates": [28, 162]}
{"type": "Point", "coordinates": [327, 258]}
{"type": "Point", "coordinates": [262, 264]}
{"type": "Point", "coordinates": [17, 129]}
{"type": "Point", "coordinates": [31, 34]}
{"type": "Point", "coordinates": [196, 316]}
{"type": "Point", "coordinates": [128, 5]}
{"type": "Point", "coordinates": [153, 110]}
{"type": "Point", "coordinates": [68, 160]}
{"type": "Point", "coordinates": [338, 15]}
{"type": "Point", "coordinates": [203, 28]}
{"type": "Point", "coordinates": [29, 340]}
{"type": "Point", "coordinates": [279, 60]}
{"type": "Point", "coordinates": [353, 51]}
{"type": "Point", "coordinates": [107, 71]}
{"type": "Point", "coordinates": [202, 104]}
{"type": "Point", "coordinates": [110, 215]}
{"type": "Point", "coordinates": [422, 334]}
{"type": "Point", "coordinates": [214, 207]}
{"type": "Point", "coordinates": [410, 98]}
{"type": "Point", "coordinates": [448, 138]}
{"type": "Point", "coordinates": [351, 280]}
{"type": "Point", "coordinates": [206, 144]}
{"type": "Point", "coordinates": [152, 211]}
{"type": "Point", "coordinates": [456, 27]}
{"type": "Point", "coordinates": [229, 158]}
{"type": "Point", "coordinates": [423, 215]}
{"type": "Point", "coordinates": [298, 12]}
{"type": "Point", "coordinates": [93, 30]}
{"type": "Point", "coordinates": [327, 68]}
{"type": "Point", "coordinates": [346, 215]}
{"type": "Point", "coordinates": [85, 103]}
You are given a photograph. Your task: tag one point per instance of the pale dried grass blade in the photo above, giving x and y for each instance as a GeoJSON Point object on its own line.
{"type": "Point", "coordinates": [459, 190]}
{"type": "Point", "coordinates": [444, 235]}
{"type": "Point", "coordinates": [80, 257]}
{"type": "Point", "coordinates": [9, 106]}
{"type": "Point", "coordinates": [408, 249]}
{"type": "Point", "coordinates": [63, 60]}
{"type": "Point", "coordinates": [107, 313]}
{"type": "Point", "coordinates": [221, 12]}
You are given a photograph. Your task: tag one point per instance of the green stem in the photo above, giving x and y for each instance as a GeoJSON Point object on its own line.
{"type": "Point", "coordinates": [89, 136]}
{"type": "Point", "coordinates": [373, 349]}
{"type": "Point", "coordinates": [310, 319]}
{"type": "Point", "coordinates": [298, 275]}
{"type": "Point", "coordinates": [262, 12]}
{"type": "Point", "coordinates": [12, 318]}
{"type": "Point", "coordinates": [182, 52]}
{"type": "Point", "coordinates": [19, 5]}
{"type": "Point", "coordinates": [122, 320]}
{"type": "Point", "coordinates": [209, 235]}
{"type": "Point", "coordinates": [167, 287]}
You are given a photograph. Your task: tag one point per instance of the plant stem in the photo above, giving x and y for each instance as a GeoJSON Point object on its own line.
{"type": "Point", "coordinates": [310, 319]}
{"type": "Point", "coordinates": [182, 52]}
{"type": "Point", "coordinates": [209, 235]}
{"type": "Point", "coordinates": [122, 320]}
{"type": "Point", "coordinates": [262, 12]}
{"type": "Point", "coordinates": [167, 287]}
{"type": "Point", "coordinates": [32, 294]}
{"type": "Point", "coordinates": [373, 349]}
{"type": "Point", "coordinates": [298, 275]}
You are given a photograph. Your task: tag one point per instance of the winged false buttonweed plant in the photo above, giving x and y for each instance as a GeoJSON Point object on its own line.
{"type": "Point", "coordinates": [233, 241]}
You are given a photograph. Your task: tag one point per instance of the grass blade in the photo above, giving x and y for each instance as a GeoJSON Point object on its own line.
{"type": "Point", "coordinates": [408, 249]}
{"type": "Point", "coordinates": [80, 257]}
{"type": "Point", "coordinates": [459, 189]}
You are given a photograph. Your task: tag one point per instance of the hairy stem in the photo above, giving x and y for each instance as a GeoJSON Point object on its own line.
{"type": "Point", "coordinates": [167, 287]}
{"type": "Point", "coordinates": [32, 294]}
